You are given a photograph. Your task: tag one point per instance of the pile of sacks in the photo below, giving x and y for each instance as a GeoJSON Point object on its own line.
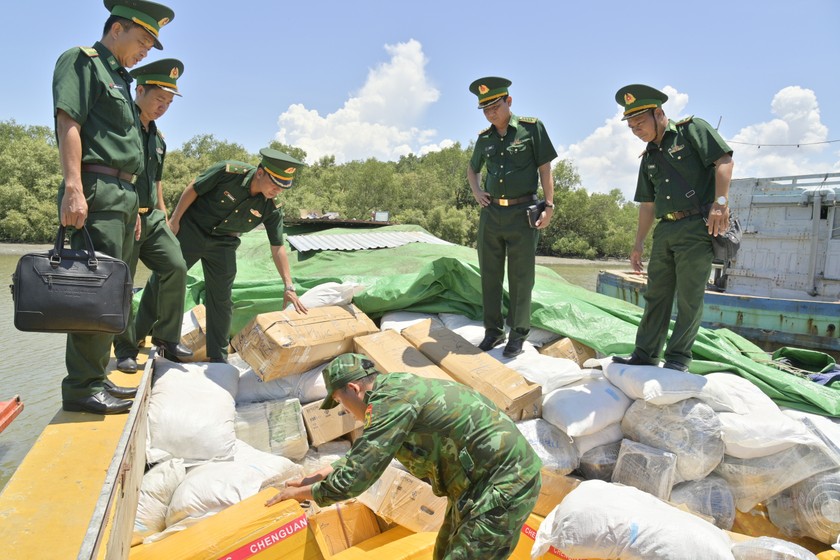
{"type": "Point", "coordinates": [644, 436]}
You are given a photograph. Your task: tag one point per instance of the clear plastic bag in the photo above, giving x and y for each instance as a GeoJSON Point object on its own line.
{"type": "Point", "coordinates": [552, 445]}
{"type": "Point", "coordinates": [599, 462]}
{"type": "Point", "coordinates": [769, 548]}
{"type": "Point", "coordinates": [711, 497]}
{"type": "Point", "coordinates": [647, 468]}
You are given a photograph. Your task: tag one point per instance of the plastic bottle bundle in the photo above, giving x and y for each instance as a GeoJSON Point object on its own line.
{"type": "Point", "coordinates": [599, 462]}
{"type": "Point", "coordinates": [689, 429]}
{"type": "Point", "coordinates": [552, 445]}
{"type": "Point", "coordinates": [711, 497]}
{"type": "Point", "coordinates": [646, 468]}
{"type": "Point", "coordinates": [816, 501]}
{"type": "Point", "coordinates": [769, 548]}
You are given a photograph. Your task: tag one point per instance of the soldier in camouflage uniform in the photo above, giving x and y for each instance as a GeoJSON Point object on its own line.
{"type": "Point", "coordinates": [443, 432]}
{"type": "Point", "coordinates": [228, 199]}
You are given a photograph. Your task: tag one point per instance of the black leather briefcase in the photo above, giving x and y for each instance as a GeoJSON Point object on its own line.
{"type": "Point", "coordinates": [71, 291]}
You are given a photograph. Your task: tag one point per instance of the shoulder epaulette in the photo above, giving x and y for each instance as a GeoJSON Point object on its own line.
{"type": "Point", "coordinates": [90, 51]}
{"type": "Point", "coordinates": [237, 169]}
{"type": "Point", "coordinates": [530, 120]}
{"type": "Point", "coordinates": [159, 133]}
{"type": "Point", "coordinates": [685, 120]}
{"type": "Point", "coordinates": [480, 132]}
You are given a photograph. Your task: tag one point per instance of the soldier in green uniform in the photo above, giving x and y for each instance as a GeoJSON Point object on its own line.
{"type": "Point", "coordinates": [684, 183]}
{"type": "Point", "coordinates": [101, 149]}
{"type": "Point", "coordinates": [441, 431]}
{"type": "Point", "coordinates": [228, 199]}
{"type": "Point", "coordinates": [516, 152]}
{"type": "Point", "coordinates": [157, 247]}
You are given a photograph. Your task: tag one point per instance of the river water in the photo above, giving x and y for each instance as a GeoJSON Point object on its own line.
{"type": "Point", "coordinates": [32, 364]}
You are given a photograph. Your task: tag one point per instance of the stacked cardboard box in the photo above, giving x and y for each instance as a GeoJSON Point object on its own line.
{"type": "Point", "coordinates": [569, 349]}
{"type": "Point", "coordinates": [392, 353]}
{"type": "Point", "coordinates": [400, 497]}
{"type": "Point", "coordinates": [327, 425]}
{"type": "Point", "coordinates": [193, 333]}
{"type": "Point", "coordinates": [464, 362]}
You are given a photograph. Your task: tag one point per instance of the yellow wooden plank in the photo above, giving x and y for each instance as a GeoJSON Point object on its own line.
{"type": "Point", "coordinates": [47, 505]}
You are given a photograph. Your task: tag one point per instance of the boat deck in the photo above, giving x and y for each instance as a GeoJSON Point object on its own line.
{"type": "Point", "coordinates": [76, 472]}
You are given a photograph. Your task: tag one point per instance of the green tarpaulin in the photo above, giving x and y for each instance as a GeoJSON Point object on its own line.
{"type": "Point", "coordinates": [438, 278]}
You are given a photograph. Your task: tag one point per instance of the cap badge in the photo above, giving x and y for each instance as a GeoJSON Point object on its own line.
{"type": "Point", "coordinates": [290, 170]}
{"type": "Point", "coordinates": [482, 89]}
{"type": "Point", "coordinates": [174, 73]}
{"type": "Point", "coordinates": [629, 98]}
{"type": "Point", "coordinates": [163, 22]}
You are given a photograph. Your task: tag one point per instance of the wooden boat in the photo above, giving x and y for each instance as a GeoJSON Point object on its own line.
{"type": "Point", "coordinates": [9, 410]}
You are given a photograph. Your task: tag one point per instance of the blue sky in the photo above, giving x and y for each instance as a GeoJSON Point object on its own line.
{"type": "Point", "coordinates": [379, 78]}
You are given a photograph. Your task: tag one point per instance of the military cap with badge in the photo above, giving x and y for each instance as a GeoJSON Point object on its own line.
{"type": "Point", "coordinates": [490, 90]}
{"type": "Point", "coordinates": [163, 73]}
{"type": "Point", "coordinates": [638, 99]}
{"type": "Point", "coordinates": [280, 167]}
{"type": "Point", "coordinates": [151, 16]}
{"type": "Point", "coordinates": [343, 370]}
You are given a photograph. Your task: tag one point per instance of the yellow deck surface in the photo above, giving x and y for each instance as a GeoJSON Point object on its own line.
{"type": "Point", "coordinates": [47, 505]}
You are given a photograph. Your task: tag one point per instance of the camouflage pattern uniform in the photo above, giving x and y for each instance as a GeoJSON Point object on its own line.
{"type": "Point", "coordinates": [462, 444]}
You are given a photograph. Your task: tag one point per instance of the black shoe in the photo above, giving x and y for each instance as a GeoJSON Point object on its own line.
{"type": "Point", "coordinates": [634, 360]}
{"type": "Point", "coordinates": [99, 403]}
{"type": "Point", "coordinates": [172, 350]}
{"type": "Point", "coordinates": [675, 365]}
{"type": "Point", "coordinates": [119, 392]}
{"type": "Point", "coordinates": [513, 348]}
{"type": "Point", "coordinates": [490, 342]}
{"type": "Point", "coordinates": [127, 365]}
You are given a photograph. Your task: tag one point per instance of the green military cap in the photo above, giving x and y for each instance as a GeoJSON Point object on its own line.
{"type": "Point", "coordinates": [279, 166]}
{"type": "Point", "coordinates": [148, 15]}
{"type": "Point", "coordinates": [489, 90]}
{"type": "Point", "coordinates": [343, 370]}
{"type": "Point", "coordinates": [638, 98]}
{"type": "Point", "coordinates": [163, 73]}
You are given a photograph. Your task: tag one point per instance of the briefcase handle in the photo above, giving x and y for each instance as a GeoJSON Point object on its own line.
{"type": "Point", "coordinates": [56, 253]}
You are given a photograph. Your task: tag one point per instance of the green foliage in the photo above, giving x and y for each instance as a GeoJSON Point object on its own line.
{"type": "Point", "coordinates": [429, 190]}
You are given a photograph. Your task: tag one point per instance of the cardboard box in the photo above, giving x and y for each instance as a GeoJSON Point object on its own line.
{"type": "Point", "coordinates": [391, 353]}
{"type": "Point", "coordinates": [395, 544]}
{"type": "Point", "coordinates": [569, 349]}
{"type": "Point", "coordinates": [512, 393]}
{"type": "Point", "coordinates": [247, 530]}
{"type": "Point", "coordinates": [327, 425]}
{"type": "Point", "coordinates": [342, 525]}
{"type": "Point", "coordinates": [554, 488]}
{"type": "Point", "coordinates": [402, 498]}
{"type": "Point", "coordinates": [286, 343]}
{"type": "Point", "coordinates": [193, 333]}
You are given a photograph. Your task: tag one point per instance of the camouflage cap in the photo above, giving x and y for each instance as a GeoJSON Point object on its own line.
{"type": "Point", "coordinates": [341, 371]}
{"type": "Point", "coordinates": [637, 99]}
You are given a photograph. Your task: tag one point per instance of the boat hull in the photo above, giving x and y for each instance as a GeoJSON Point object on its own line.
{"type": "Point", "coordinates": [764, 320]}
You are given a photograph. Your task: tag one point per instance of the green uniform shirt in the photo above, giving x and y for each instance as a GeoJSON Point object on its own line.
{"type": "Point", "coordinates": [155, 153]}
{"type": "Point", "coordinates": [442, 431]}
{"type": "Point", "coordinates": [225, 206]}
{"type": "Point", "coordinates": [512, 161]}
{"type": "Point", "coordinates": [94, 89]}
{"type": "Point", "coordinates": [691, 147]}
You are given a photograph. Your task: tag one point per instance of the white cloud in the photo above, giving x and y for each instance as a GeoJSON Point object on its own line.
{"type": "Point", "coordinates": [379, 121]}
{"type": "Point", "coordinates": [609, 157]}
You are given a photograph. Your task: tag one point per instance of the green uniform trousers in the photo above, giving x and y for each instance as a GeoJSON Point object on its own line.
{"type": "Point", "coordinates": [681, 262]}
{"type": "Point", "coordinates": [504, 232]}
{"type": "Point", "coordinates": [159, 250]}
{"type": "Point", "coordinates": [493, 532]}
{"type": "Point", "coordinates": [217, 254]}
{"type": "Point", "coordinates": [112, 214]}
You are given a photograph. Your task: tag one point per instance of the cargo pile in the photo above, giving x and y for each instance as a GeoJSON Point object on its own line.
{"type": "Point", "coordinates": [638, 461]}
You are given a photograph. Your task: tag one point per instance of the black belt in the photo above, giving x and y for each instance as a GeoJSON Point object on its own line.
{"type": "Point", "coordinates": [110, 171]}
{"type": "Point", "coordinates": [143, 211]}
{"type": "Point", "coordinates": [512, 201]}
{"type": "Point", "coordinates": [679, 215]}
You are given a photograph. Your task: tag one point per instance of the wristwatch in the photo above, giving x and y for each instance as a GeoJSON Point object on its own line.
{"type": "Point", "coordinates": [290, 288]}
{"type": "Point", "coordinates": [549, 205]}
{"type": "Point", "coordinates": [721, 200]}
